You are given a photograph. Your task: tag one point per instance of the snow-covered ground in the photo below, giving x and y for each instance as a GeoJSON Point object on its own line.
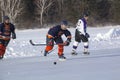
{"type": "Point", "coordinates": [26, 62]}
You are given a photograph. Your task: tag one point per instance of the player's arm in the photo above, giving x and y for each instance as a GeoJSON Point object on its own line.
{"type": "Point", "coordinates": [68, 36]}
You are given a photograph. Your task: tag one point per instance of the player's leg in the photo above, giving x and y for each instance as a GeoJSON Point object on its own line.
{"type": "Point", "coordinates": [76, 42]}
{"type": "Point", "coordinates": [2, 49]}
{"type": "Point", "coordinates": [59, 41]}
{"type": "Point", "coordinates": [86, 44]}
{"type": "Point", "coordinates": [49, 45]}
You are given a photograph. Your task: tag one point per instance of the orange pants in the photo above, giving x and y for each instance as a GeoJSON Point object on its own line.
{"type": "Point", "coordinates": [60, 49]}
{"type": "Point", "coordinates": [2, 50]}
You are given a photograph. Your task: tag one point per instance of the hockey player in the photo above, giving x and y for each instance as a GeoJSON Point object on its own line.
{"type": "Point", "coordinates": [6, 30]}
{"type": "Point", "coordinates": [54, 34]}
{"type": "Point", "coordinates": [81, 35]}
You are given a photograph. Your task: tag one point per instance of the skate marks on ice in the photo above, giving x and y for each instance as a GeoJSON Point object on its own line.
{"type": "Point", "coordinates": [96, 54]}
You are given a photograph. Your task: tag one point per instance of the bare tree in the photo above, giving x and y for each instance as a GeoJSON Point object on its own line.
{"type": "Point", "coordinates": [12, 8]}
{"type": "Point", "coordinates": [42, 6]}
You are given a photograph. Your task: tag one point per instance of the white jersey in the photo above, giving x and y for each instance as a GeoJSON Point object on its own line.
{"type": "Point", "coordinates": [81, 26]}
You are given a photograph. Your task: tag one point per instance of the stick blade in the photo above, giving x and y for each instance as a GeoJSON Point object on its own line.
{"type": "Point", "coordinates": [31, 42]}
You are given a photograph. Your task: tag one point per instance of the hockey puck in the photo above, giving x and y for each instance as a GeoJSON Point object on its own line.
{"type": "Point", "coordinates": [55, 63]}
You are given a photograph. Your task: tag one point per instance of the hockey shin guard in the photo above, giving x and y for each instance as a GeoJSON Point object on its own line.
{"type": "Point", "coordinates": [60, 50]}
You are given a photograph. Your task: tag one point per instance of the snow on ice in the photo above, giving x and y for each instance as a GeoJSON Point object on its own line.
{"type": "Point", "coordinates": [113, 33]}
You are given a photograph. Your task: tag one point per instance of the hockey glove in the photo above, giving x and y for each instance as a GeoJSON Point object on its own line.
{"type": "Point", "coordinates": [87, 35]}
{"type": "Point", "coordinates": [13, 36]}
{"type": "Point", "coordinates": [67, 42]}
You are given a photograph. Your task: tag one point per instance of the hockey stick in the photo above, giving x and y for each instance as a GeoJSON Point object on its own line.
{"type": "Point", "coordinates": [41, 44]}
{"type": "Point", "coordinates": [36, 44]}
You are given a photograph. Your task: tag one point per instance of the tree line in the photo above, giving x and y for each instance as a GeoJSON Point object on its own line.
{"type": "Point", "coordinates": [42, 13]}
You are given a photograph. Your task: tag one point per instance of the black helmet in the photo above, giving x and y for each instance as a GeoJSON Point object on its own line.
{"type": "Point", "coordinates": [64, 22]}
{"type": "Point", "coordinates": [86, 14]}
{"type": "Point", "coordinates": [5, 18]}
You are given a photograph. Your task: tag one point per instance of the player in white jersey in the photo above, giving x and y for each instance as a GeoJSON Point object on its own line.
{"type": "Point", "coordinates": [81, 35]}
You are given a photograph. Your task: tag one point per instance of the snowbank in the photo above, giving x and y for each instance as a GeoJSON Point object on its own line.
{"type": "Point", "coordinates": [113, 33]}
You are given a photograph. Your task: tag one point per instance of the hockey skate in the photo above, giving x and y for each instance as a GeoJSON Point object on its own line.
{"type": "Point", "coordinates": [62, 58]}
{"type": "Point", "coordinates": [45, 53]}
{"type": "Point", "coordinates": [73, 52]}
{"type": "Point", "coordinates": [86, 51]}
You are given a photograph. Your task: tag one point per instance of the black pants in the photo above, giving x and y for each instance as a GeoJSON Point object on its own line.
{"type": "Point", "coordinates": [80, 37]}
{"type": "Point", "coordinates": [50, 41]}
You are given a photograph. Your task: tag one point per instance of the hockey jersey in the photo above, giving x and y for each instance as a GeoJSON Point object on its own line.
{"type": "Point", "coordinates": [6, 30]}
{"type": "Point", "coordinates": [82, 26]}
{"type": "Point", "coordinates": [58, 32]}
